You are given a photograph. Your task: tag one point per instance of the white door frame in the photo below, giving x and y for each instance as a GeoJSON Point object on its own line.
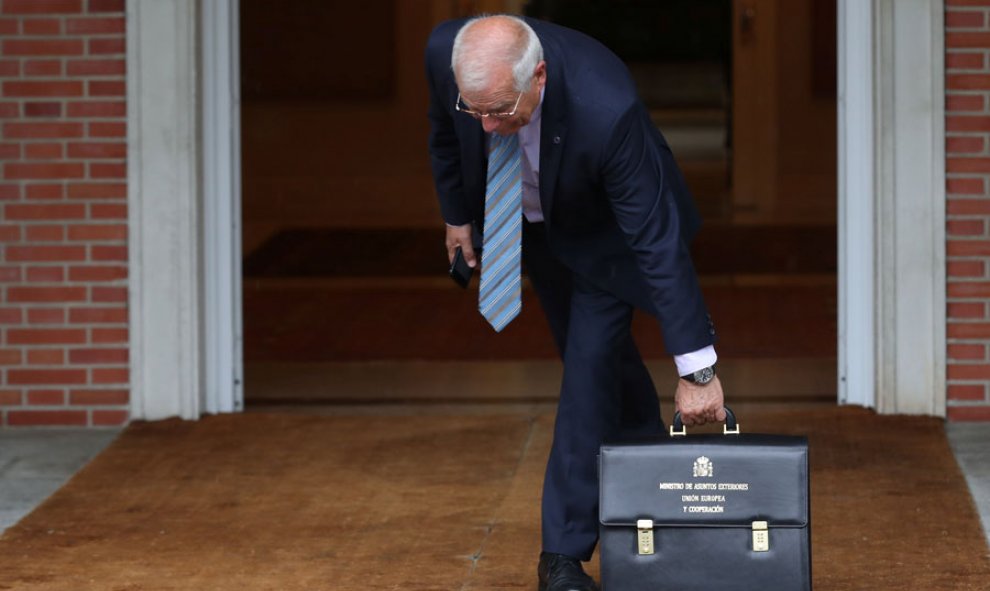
{"type": "Point", "coordinates": [892, 205]}
{"type": "Point", "coordinates": [857, 366]}
{"type": "Point", "coordinates": [163, 210]}
{"type": "Point", "coordinates": [221, 110]}
{"type": "Point", "coordinates": [183, 203]}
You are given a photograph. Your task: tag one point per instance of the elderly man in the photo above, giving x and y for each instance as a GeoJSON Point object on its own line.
{"type": "Point", "coordinates": [539, 141]}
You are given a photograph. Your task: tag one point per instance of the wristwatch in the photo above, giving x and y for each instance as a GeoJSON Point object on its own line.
{"type": "Point", "coordinates": [702, 376]}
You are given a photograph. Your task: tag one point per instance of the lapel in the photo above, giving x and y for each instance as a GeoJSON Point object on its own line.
{"type": "Point", "coordinates": [553, 133]}
{"type": "Point", "coordinates": [474, 142]}
{"type": "Point", "coordinates": [474, 159]}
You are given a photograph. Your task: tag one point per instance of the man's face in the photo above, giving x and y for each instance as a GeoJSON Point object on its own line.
{"type": "Point", "coordinates": [500, 97]}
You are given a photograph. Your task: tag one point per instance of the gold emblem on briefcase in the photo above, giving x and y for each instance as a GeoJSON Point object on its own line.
{"type": "Point", "coordinates": [703, 468]}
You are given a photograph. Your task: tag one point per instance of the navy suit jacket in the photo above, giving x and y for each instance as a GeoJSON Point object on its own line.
{"type": "Point", "coordinates": [616, 208]}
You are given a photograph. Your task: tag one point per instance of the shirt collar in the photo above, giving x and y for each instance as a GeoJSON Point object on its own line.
{"type": "Point", "coordinates": [538, 111]}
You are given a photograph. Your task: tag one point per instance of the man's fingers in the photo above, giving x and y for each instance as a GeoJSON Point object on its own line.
{"type": "Point", "coordinates": [699, 405]}
{"type": "Point", "coordinates": [692, 418]}
{"type": "Point", "coordinates": [460, 236]}
{"type": "Point", "coordinates": [467, 251]}
{"type": "Point", "coordinates": [697, 420]}
{"type": "Point", "coordinates": [469, 255]}
{"type": "Point", "coordinates": [702, 416]}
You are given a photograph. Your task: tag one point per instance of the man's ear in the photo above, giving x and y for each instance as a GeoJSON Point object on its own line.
{"type": "Point", "coordinates": [540, 74]}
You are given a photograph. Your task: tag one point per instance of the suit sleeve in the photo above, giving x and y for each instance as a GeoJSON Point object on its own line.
{"type": "Point", "coordinates": [636, 172]}
{"type": "Point", "coordinates": [444, 146]}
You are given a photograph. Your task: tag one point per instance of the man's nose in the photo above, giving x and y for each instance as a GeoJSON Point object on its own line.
{"type": "Point", "coordinates": [489, 124]}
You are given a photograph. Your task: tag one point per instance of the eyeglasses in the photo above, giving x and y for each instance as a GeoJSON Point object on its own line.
{"type": "Point", "coordinates": [463, 108]}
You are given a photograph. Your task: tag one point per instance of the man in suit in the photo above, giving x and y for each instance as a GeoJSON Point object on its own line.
{"type": "Point", "coordinates": [604, 224]}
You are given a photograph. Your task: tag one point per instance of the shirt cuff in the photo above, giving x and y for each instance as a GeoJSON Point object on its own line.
{"type": "Point", "coordinates": [691, 362]}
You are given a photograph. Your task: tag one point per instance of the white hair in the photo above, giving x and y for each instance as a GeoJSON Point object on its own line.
{"type": "Point", "coordinates": [474, 55]}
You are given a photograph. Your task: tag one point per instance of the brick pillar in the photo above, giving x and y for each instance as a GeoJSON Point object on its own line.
{"type": "Point", "coordinates": [63, 229]}
{"type": "Point", "coordinates": [967, 124]}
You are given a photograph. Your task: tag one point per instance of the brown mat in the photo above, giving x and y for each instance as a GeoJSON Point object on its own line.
{"type": "Point", "coordinates": [287, 502]}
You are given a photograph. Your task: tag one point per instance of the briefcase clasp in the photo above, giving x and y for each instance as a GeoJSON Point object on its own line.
{"type": "Point", "coordinates": [645, 527]}
{"type": "Point", "coordinates": [761, 537]}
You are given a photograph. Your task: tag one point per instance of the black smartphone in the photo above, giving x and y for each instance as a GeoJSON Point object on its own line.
{"type": "Point", "coordinates": [460, 272]}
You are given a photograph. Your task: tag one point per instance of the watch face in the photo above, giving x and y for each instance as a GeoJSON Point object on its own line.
{"type": "Point", "coordinates": [704, 375]}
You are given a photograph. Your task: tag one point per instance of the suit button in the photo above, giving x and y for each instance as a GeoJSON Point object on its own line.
{"type": "Point", "coordinates": [712, 331]}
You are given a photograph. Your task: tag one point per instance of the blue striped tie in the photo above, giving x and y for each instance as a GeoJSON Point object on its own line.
{"type": "Point", "coordinates": [499, 296]}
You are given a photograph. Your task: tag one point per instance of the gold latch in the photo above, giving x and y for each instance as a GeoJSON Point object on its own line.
{"type": "Point", "coordinates": [645, 527]}
{"type": "Point", "coordinates": [761, 537]}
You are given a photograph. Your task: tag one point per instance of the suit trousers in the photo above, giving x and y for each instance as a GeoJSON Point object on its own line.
{"type": "Point", "coordinates": [606, 392]}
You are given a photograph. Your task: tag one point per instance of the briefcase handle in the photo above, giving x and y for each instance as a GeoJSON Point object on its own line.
{"type": "Point", "coordinates": [731, 427]}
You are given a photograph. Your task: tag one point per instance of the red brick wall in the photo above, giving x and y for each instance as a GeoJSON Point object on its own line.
{"type": "Point", "coordinates": [967, 124]}
{"type": "Point", "coordinates": [63, 228]}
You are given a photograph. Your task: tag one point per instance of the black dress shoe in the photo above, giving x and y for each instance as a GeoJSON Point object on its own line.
{"type": "Point", "coordinates": [563, 573]}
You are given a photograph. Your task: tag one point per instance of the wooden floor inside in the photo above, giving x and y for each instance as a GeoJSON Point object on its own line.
{"type": "Point", "coordinates": [367, 317]}
{"type": "Point", "coordinates": [523, 387]}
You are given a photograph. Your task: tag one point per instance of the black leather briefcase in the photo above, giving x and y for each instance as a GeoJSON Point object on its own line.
{"type": "Point", "coordinates": [702, 512]}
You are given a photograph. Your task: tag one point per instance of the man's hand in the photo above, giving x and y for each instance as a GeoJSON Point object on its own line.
{"type": "Point", "coordinates": [700, 404]}
{"type": "Point", "coordinates": [460, 236]}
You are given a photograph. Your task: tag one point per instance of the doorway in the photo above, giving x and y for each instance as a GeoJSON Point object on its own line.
{"type": "Point", "coordinates": [343, 260]}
